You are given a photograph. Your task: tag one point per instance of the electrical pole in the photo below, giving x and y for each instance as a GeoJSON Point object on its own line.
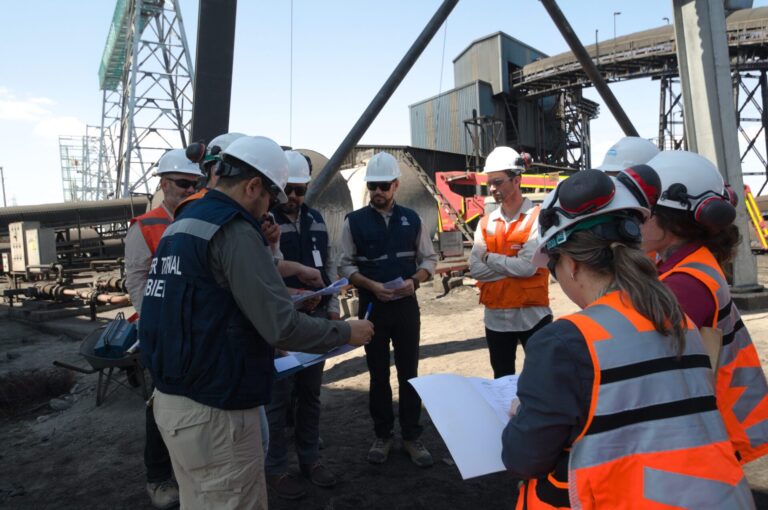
{"type": "Point", "coordinates": [2, 180]}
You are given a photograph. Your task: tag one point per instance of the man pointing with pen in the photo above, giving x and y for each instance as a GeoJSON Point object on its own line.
{"type": "Point", "coordinates": [387, 254]}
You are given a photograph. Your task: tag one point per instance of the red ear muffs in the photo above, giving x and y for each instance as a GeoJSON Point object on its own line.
{"type": "Point", "coordinates": [643, 182]}
{"type": "Point", "coordinates": [582, 193]}
{"type": "Point", "coordinates": [733, 198]}
{"type": "Point", "coordinates": [195, 151]}
{"type": "Point", "coordinates": [715, 212]}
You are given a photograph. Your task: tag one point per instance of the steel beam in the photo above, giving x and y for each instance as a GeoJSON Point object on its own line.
{"type": "Point", "coordinates": [324, 178]}
{"type": "Point", "coordinates": [710, 120]}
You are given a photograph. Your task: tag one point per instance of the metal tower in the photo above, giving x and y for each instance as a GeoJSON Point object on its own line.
{"type": "Point", "coordinates": [81, 177]}
{"type": "Point", "coordinates": [146, 79]}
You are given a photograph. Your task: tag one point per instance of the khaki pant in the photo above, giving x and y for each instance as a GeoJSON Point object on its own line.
{"type": "Point", "coordinates": [217, 455]}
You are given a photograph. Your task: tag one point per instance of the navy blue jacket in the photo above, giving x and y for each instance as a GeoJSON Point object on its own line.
{"type": "Point", "coordinates": [385, 252]}
{"type": "Point", "coordinates": [195, 341]}
{"type": "Point", "coordinates": [298, 246]}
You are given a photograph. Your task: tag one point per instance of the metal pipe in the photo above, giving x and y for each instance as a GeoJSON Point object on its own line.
{"type": "Point", "coordinates": [589, 67]}
{"type": "Point", "coordinates": [323, 180]}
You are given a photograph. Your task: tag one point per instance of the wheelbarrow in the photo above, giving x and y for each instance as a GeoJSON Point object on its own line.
{"type": "Point", "coordinates": [130, 364]}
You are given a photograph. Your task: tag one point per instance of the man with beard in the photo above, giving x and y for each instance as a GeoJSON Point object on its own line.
{"type": "Point", "coordinates": [303, 239]}
{"type": "Point", "coordinates": [514, 291]}
{"type": "Point", "coordinates": [387, 255]}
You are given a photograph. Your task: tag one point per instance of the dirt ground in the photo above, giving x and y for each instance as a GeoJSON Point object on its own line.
{"type": "Point", "coordinates": [91, 457]}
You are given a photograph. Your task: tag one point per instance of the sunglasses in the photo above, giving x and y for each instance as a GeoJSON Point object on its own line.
{"type": "Point", "coordinates": [299, 190]}
{"type": "Point", "coordinates": [554, 258]}
{"type": "Point", "coordinates": [383, 186]}
{"type": "Point", "coordinates": [184, 183]}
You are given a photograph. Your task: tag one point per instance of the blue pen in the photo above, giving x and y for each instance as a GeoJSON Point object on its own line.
{"type": "Point", "coordinates": [368, 311]}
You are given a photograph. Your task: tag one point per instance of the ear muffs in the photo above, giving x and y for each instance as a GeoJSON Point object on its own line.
{"type": "Point", "coordinates": [677, 192]}
{"type": "Point", "coordinates": [195, 151]}
{"type": "Point", "coordinates": [715, 212]}
{"type": "Point", "coordinates": [643, 182]}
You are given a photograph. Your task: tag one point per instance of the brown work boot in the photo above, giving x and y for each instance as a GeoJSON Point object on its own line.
{"type": "Point", "coordinates": [286, 486]}
{"type": "Point", "coordinates": [163, 494]}
{"type": "Point", "coordinates": [318, 474]}
{"type": "Point", "coordinates": [379, 450]}
{"type": "Point", "coordinates": [418, 453]}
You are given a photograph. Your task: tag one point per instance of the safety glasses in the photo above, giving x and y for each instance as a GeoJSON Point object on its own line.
{"type": "Point", "coordinates": [299, 190]}
{"type": "Point", "coordinates": [184, 183]}
{"type": "Point", "coordinates": [383, 186]}
{"type": "Point", "coordinates": [554, 258]}
{"type": "Point", "coordinates": [498, 182]}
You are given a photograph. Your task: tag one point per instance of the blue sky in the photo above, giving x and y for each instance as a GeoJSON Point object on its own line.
{"type": "Point", "coordinates": [343, 51]}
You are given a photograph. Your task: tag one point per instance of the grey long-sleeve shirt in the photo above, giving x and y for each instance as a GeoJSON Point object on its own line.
{"type": "Point", "coordinates": [240, 262]}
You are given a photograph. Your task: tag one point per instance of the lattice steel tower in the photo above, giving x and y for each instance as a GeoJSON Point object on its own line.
{"type": "Point", "coordinates": [146, 80]}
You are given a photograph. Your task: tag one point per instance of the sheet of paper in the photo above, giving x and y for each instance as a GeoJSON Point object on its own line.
{"type": "Point", "coordinates": [333, 288]}
{"type": "Point", "coordinates": [395, 284]}
{"type": "Point", "coordinates": [285, 363]}
{"type": "Point", "coordinates": [467, 422]}
{"type": "Point", "coordinates": [294, 360]}
{"type": "Point", "coordinates": [499, 393]}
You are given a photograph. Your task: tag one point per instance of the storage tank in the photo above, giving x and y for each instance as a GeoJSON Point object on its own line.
{"type": "Point", "coordinates": [335, 202]}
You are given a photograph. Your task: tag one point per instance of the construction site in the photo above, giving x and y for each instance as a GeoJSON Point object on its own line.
{"type": "Point", "coordinates": [73, 422]}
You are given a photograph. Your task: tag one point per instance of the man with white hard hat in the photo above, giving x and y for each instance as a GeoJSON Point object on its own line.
{"type": "Point", "coordinates": [178, 179]}
{"type": "Point", "coordinates": [215, 309]}
{"type": "Point", "coordinates": [514, 291]}
{"type": "Point", "coordinates": [627, 152]}
{"type": "Point", "coordinates": [387, 254]}
{"type": "Point", "coordinates": [304, 240]}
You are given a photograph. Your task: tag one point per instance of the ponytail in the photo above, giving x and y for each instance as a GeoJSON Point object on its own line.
{"type": "Point", "coordinates": [634, 274]}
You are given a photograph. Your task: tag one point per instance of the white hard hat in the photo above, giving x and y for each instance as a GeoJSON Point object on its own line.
{"type": "Point", "coordinates": [298, 168]}
{"type": "Point", "coordinates": [502, 159]}
{"type": "Point", "coordinates": [691, 182]}
{"type": "Point", "coordinates": [218, 144]}
{"type": "Point", "coordinates": [627, 152]}
{"type": "Point", "coordinates": [176, 161]}
{"type": "Point", "coordinates": [382, 167]}
{"type": "Point", "coordinates": [262, 154]}
{"type": "Point", "coordinates": [594, 194]}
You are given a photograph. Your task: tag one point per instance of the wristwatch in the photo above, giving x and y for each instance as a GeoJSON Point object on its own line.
{"type": "Point", "coordinates": [416, 283]}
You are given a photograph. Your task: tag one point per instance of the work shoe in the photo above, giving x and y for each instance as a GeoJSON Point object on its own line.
{"type": "Point", "coordinates": [418, 453]}
{"type": "Point", "coordinates": [318, 474]}
{"type": "Point", "coordinates": [286, 486]}
{"type": "Point", "coordinates": [379, 450]}
{"type": "Point", "coordinates": [163, 494]}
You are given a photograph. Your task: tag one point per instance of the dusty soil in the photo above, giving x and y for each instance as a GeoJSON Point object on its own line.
{"type": "Point", "coordinates": [91, 457]}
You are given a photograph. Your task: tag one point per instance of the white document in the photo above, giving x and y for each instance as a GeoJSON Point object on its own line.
{"type": "Point", "coordinates": [396, 284]}
{"type": "Point", "coordinates": [470, 414]}
{"type": "Point", "coordinates": [294, 361]}
{"type": "Point", "coordinates": [333, 288]}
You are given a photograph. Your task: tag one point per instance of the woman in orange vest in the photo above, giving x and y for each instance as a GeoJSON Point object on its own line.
{"type": "Point", "coordinates": [693, 232]}
{"type": "Point", "coordinates": [617, 407]}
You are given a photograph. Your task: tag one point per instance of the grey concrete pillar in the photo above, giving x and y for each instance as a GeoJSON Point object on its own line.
{"type": "Point", "coordinates": [710, 118]}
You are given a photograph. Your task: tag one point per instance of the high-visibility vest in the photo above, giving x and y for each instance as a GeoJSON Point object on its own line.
{"type": "Point", "coordinates": [197, 195]}
{"type": "Point", "coordinates": [152, 225]}
{"type": "Point", "coordinates": [512, 292]}
{"type": "Point", "coordinates": [741, 388]}
{"type": "Point", "coordinates": [653, 438]}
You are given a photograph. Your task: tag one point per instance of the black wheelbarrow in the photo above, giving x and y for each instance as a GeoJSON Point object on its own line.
{"type": "Point", "coordinates": [129, 365]}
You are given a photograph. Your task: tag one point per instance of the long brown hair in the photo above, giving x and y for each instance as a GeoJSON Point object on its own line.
{"type": "Point", "coordinates": [722, 243]}
{"type": "Point", "coordinates": [633, 273]}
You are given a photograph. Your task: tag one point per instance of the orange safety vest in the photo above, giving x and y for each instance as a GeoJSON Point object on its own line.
{"type": "Point", "coordinates": [191, 198]}
{"type": "Point", "coordinates": [741, 388]}
{"type": "Point", "coordinates": [152, 225]}
{"type": "Point", "coordinates": [513, 292]}
{"type": "Point", "coordinates": [654, 438]}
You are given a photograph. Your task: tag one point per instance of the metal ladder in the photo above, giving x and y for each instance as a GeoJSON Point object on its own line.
{"type": "Point", "coordinates": [756, 218]}
{"type": "Point", "coordinates": [443, 202]}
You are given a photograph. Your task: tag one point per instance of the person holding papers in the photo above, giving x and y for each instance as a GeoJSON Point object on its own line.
{"type": "Point", "coordinates": [617, 402]}
{"type": "Point", "coordinates": [387, 254]}
{"type": "Point", "coordinates": [303, 239]}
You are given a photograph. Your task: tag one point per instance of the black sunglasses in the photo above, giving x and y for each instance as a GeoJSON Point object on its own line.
{"type": "Point", "coordinates": [183, 183]}
{"type": "Point", "coordinates": [300, 190]}
{"type": "Point", "coordinates": [552, 264]}
{"type": "Point", "coordinates": [383, 186]}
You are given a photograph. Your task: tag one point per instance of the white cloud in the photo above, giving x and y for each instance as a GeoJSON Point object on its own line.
{"type": "Point", "coordinates": [52, 127]}
{"type": "Point", "coordinates": [29, 110]}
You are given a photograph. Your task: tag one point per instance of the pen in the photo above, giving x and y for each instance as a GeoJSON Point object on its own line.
{"type": "Point", "coordinates": [368, 311]}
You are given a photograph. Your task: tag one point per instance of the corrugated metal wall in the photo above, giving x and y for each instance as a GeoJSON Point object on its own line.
{"type": "Point", "coordinates": [480, 61]}
{"type": "Point", "coordinates": [438, 123]}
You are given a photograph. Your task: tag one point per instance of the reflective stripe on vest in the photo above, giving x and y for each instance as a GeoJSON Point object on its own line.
{"type": "Point", "coordinates": [513, 292]}
{"type": "Point", "coordinates": [653, 420]}
{"type": "Point", "coordinates": [152, 225]}
{"type": "Point", "coordinates": [741, 388]}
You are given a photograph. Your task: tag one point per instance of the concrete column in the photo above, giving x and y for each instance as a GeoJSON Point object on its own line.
{"type": "Point", "coordinates": [710, 119]}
